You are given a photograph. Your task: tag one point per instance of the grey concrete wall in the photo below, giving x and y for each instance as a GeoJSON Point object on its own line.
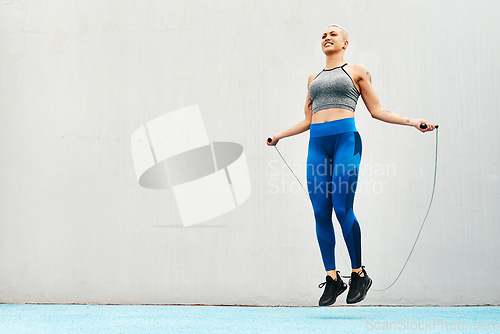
{"type": "Point", "coordinates": [79, 77]}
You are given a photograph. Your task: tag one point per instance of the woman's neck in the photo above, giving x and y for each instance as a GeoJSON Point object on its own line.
{"type": "Point", "coordinates": [334, 60]}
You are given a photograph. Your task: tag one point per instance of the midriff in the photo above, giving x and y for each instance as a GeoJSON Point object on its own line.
{"type": "Point", "coordinates": [331, 114]}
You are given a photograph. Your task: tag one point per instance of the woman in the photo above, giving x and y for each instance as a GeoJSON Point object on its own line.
{"type": "Point", "coordinates": [334, 154]}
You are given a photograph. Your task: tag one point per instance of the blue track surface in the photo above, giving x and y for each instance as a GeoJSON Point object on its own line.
{"type": "Point", "coordinates": [231, 319]}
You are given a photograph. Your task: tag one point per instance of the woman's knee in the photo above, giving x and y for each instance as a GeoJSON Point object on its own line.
{"type": "Point", "coordinates": [340, 214]}
{"type": "Point", "coordinates": [322, 211]}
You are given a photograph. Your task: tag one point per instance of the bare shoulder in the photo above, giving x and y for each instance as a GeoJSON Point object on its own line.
{"type": "Point", "coordinates": [358, 68]}
{"type": "Point", "coordinates": [361, 72]}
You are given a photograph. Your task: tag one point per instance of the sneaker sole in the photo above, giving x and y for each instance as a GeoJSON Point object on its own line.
{"type": "Point", "coordinates": [342, 289]}
{"type": "Point", "coordinates": [364, 296]}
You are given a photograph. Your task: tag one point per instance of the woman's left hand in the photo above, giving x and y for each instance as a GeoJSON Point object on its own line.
{"type": "Point", "coordinates": [417, 122]}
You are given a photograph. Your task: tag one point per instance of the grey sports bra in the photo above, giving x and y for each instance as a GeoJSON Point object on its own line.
{"type": "Point", "coordinates": [333, 88]}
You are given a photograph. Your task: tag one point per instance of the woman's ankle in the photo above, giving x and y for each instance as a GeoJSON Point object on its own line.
{"type": "Point", "coordinates": [359, 271]}
{"type": "Point", "coordinates": [332, 274]}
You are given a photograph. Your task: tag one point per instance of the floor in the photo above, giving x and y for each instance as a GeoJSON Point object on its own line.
{"type": "Point", "coordinates": [31, 318]}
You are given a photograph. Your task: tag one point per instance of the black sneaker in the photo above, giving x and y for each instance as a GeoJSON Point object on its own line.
{"type": "Point", "coordinates": [358, 287]}
{"type": "Point", "coordinates": [333, 289]}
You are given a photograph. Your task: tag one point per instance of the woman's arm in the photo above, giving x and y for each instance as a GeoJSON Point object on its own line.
{"type": "Point", "coordinates": [294, 130]}
{"type": "Point", "coordinates": [377, 111]}
{"type": "Point", "coordinates": [300, 126]}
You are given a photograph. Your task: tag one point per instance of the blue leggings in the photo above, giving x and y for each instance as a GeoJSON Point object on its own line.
{"type": "Point", "coordinates": [333, 161]}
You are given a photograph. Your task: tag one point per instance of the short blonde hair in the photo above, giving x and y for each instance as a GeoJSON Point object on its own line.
{"type": "Point", "coordinates": [342, 31]}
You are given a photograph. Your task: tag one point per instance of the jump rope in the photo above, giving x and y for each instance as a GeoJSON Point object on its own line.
{"type": "Point", "coordinates": [422, 126]}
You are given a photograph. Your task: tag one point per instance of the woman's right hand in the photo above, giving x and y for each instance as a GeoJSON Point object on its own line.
{"type": "Point", "coordinates": [418, 122]}
{"type": "Point", "coordinates": [272, 141]}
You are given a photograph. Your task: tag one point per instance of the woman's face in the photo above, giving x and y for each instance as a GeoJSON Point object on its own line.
{"type": "Point", "coordinates": [332, 40]}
